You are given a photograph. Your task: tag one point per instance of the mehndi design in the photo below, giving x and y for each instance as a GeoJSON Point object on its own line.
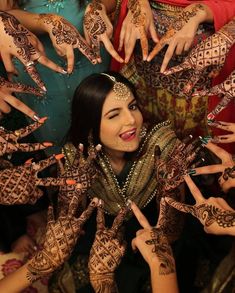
{"type": "Point", "coordinates": [19, 185]}
{"type": "Point", "coordinates": [20, 37]}
{"type": "Point", "coordinates": [210, 52]}
{"type": "Point", "coordinates": [9, 139]}
{"type": "Point", "coordinates": [60, 237]}
{"type": "Point", "coordinates": [106, 253]}
{"type": "Point", "coordinates": [63, 32]}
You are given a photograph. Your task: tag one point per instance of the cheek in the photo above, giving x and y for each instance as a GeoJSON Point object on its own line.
{"type": "Point", "coordinates": [106, 132]}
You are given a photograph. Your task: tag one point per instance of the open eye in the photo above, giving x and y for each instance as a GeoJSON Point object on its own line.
{"type": "Point", "coordinates": [133, 106]}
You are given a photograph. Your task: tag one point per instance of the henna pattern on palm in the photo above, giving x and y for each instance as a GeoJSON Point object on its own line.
{"type": "Point", "coordinates": [95, 25]}
{"type": "Point", "coordinates": [183, 19]}
{"type": "Point", "coordinates": [19, 184]}
{"type": "Point", "coordinates": [83, 171]}
{"type": "Point", "coordinates": [65, 33]}
{"type": "Point", "coordinates": [170, 172]}
{"type": "Point", "coordinates": [163, 251]}
{"type": "Point", "coordinates": [106, 252]}
{"type": "Point", "coordinates": [21, 39]}
{"type": "Point", "coordinates": [9, 139]}
{"type": "Point", "coordinates": [210, 52]}
{"type": "Point", "coordinates": [60, 238]}
{"type": "Point", "coordinates": [206, 213]}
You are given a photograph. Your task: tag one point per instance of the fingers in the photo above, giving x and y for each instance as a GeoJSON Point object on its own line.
{"type": "Point", "coordinates": [196, 193]}
{"type": "Point", "coordinates": [178, 68]}
{"type": "Point", "coordinates": [168, 55]}
{"type": "Point", "coordinates": [194, 79]}
{"type": "Point", "coordinates": [109, 47]}
{"type": "Point", "coordinates": [144, 43]}
{"type": "Point", "coordinates": [212, 169]}
{"type": "Point", "coordinates": [70, 59]}
{"type": "Point", "coordinates": [139, 216]}
{"type": "Point", "coordinates": [22, 132]}
{"type": "Point", "coordinates": [50, 214]}
{"type": "Point", "coordinates": [153, 32]}
{"type": "Point", "coordinates": [22, 88]}
{"type": "Point", "coordinates": [8, 64]}
{"type": "Point", "coordinates": [30, 68]}
{"type": "Point", "coordinates": [100, 219]}
{"type": "Point", "coordinates": [156, 50]}
{"type": "Point", "coordinates": [129, 46]}
{"type": "Point", "coordinates": [219, 152]}
{"type": "Point", "coordinates": [228, 138]}
{"type": "Point", "coordinates": [48, 162]}
{"type": "Point", "coordinates": [208, 92]}
{"type": "Point", "coordinates": [50, 181]}
{"type": "Point", "coordinates": [31, 147]}
{"type": "Point", "coordinates": [180, 206]}
{"type": "Point", "coordinates": [4, 107]}
{"type": "Point", "coordinates": [119, 220]}
{"type": "Point", "coordinates": [87, 213]}
{"type": "Point", "coordinates": [73, 206]}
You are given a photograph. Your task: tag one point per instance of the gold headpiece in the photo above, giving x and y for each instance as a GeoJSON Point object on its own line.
{"type": "Point", "coordinates": [121, 91]}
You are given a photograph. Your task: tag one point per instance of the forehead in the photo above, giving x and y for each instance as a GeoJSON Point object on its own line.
{"type": "Point", "coordinates": [112, 101]}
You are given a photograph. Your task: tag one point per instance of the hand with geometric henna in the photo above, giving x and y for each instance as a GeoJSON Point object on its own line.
{"type": "Point", "coordinates": [209, 52]}
{"type": "Point", "coordinates": [138, 24]}
{"type": "Point", "coordinates": [156, 250]}
{"type": "Point", "coordinates": [225, 138]}
{"type": "Point", "coordinates": [98, 28]}
{"type": "Point", "coordinates": [82, 171]}
{"type": "Point", "coordinates": [65, 38]}
{"type": "Point", "coordinates": [60, 238]}
{"type": "Point", "coordinates": [106, 253]}
{"type": "Point", "coordinates": [19, 185]}
{"type": "Point", "coordinates": [226, 167]}
{"type": "Point", "coordinates": [9, 139]}
{"type": "Point", "coordinates": [226, 89]}
{"type": "Point", "coordinates": [19, 42]}
{"type": "Point", "coordinates": [7, 99]}
{"type": "Point", "coordinates": [215, 214]}
{"type": "Point", "coordinates": [170, 172]}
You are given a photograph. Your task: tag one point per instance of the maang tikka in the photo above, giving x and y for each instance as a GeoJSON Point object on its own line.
{"type": "Point", "coordinates": [121, 91]}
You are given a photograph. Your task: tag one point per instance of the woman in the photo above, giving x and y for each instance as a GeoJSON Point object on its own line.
{"type": "Point", "coordinates": [60, 87]}
{"type": "Point", "coordinates": [105, 111]}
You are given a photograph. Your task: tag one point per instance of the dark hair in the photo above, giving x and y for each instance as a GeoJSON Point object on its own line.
{"type": "Point", "coordinates": [87, 106]}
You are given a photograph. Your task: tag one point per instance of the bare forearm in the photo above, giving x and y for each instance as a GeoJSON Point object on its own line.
{"type": "Point", "coordinates": [16, 281]}
{"type": "Point", "coordinates": [163, 283]}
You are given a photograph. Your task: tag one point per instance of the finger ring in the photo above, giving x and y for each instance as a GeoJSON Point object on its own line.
{"type": "Point", "coordinates": [39, 56]}
{"type": "Point", "coordinates": [30, 63]}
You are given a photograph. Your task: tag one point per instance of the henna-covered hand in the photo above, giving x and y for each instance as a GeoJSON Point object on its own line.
{"type": "Point", "coordinates": [180, 35]}
{"type": "Point", "coordinates": [106, 253]}
{"type": "Point", "coordinates": [137, 25]}
{"type": "Point", "coordinates": [227, 89]}
{"type": "Point", "coordinates": [9, 139]}
{"type": "Point", "coordinates": [210, 52]}
{"type": "Point", "coordinates": [170, 172]}
{"type": "Point", "coordinates": [227, 126]}
{"type": "Point", "coordinates": [19, 185]}
{"type": "Point", "coordinates": [19, 42]}
{"type": "Point", "coordinates": [153, 243]}
{"type": "Point", "coordinates": [82, 171]}
{"type": "Point", "coordinates": [98, 28]}
{"type": "Point", "coordinates": [60, 238]}
{"type": "Point", "coordinates": [227, 167]}
{"type": "Point", "coordinates": [65, 38]}
{"type": "Point", "coordinates": [215, 214]}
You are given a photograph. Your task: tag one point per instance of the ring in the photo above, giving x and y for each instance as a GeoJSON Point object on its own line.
{"type": "Point", "coordinates": [39, 56]}
{"type": "Point", "coordinates": [30, 63]}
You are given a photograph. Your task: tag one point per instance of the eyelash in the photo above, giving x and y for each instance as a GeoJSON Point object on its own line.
{"type": "Point", "coordinates": [132, 107]}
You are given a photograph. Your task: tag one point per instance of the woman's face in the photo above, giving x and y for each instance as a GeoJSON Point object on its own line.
{"type": "Point", "coordinates": [121, 122]}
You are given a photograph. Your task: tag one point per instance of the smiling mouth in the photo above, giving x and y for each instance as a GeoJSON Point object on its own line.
{"type": "Point", "coordinates": [128, 135]}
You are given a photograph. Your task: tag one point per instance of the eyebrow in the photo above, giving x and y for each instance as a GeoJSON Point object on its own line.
{"type": "Point", "coordinates": [115, 109]}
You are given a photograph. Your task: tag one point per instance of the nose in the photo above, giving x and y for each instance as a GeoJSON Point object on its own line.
{"type": "Point", "coordinates": [128, 118]}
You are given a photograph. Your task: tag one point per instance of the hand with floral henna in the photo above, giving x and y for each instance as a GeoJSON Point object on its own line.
{"type": "Point", "coordinates": [98, 28]}
{"type": "Point", "coordinates": [227, 126]}
{"type": "Point", "coordinates": [226, 89]}
{"type": "Point", "coordinates": [170, 172]}
{"type": "Point", "coordinates": [9, 139]}
{"type": "Point", "coordinates": [226, 167]}
{"type": "Point", "coordinates": [106, 253]}
{"type": "Point", "coordinates": [18, 41]}
{"type": "Point", "coordinates": [180, 35]}
{"type": "Point", "coordinates": [19, 185]}
{"type": "Point", "coordinates": [65, 38]}
{"type": "Point", "coordinates": [138, 24]}
{"type": "Point", "coordinates": [215, 214]}
{"type": "Point", "coordinates": [82, 171]}
{"type": "Point", "coordinates": [156, 250]}
{"type": "Point", "coordinates": [7, 99]}
{"type": "Point", "coordinates": [209, 52]}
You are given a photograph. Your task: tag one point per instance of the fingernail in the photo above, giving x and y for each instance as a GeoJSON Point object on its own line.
{"type": "Point", "coordinates": [100, 203]}
{"type": "Point", "coordinates": [47, 144]}
{"type": "Point", "coordinates": [44, 89]}
{"type": "Point", "coordinates": [59, 156]}
{"type": "Point", "coordinates": [128, 203]}
{"type": "Point", "coordinates": [191, 172]}
{"type": "Point", "coordinates": [64, 71]}
{"type": "Point", "coordinates": [215, 139]}
{"type": "Point", "coordinates": [36, 118]}
{"type": "Point", "coordinates": [70, 181]}
{"type": "Point", "coordinates": [98, 147]}
{"type": "Point", "coordinates": [42, 120]}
